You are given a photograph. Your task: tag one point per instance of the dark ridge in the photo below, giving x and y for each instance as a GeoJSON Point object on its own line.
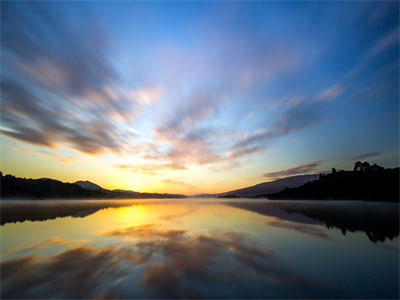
{"type": "Point", "coordinates": [365, 182]}
{"type": "Point", "coordinates": [21, 188]}
{"type": "Point", "coordinates": [269, 187]}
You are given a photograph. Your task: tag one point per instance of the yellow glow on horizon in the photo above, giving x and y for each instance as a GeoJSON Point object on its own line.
{"type": "Point", "coordinates": [32, 162]}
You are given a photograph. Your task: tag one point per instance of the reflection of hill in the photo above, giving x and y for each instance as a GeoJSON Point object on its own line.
{"type": "Point", "coordinates": [18, 211]}
{"type": "Point", "coordinates": [378, 220]}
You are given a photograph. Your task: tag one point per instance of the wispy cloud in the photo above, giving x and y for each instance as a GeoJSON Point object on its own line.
{"type": "Point", "coordinates": [179, 183]}
{"type": "Point", "coordinates": [294, 118]}
{"type": "Point", "coordinates": [296, 170]}
{"type": "Point", "coordinates": [149, 168]}
{"type": "Point", "coordinates": [60, 88]}
{"type": "Point", "coordinates": [57, 156]}
{"type": "Point", "coordinates": [330, 93]}
{"type": "Point", "coordinates": [366, 155]}
{"type": "Point", "coordinates": [391, 38]}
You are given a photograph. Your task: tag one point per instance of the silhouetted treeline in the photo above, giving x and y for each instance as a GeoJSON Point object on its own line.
{"type": "Point", "coordinates": [370, 183]}
{"type": "Point", "coordinates": [22, 188]}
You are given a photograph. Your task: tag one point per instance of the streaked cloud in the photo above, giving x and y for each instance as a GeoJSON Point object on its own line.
{"type": "Point", "coordinates": [296, 170]}
{"type": "Point", "coordinates": [211, 91]}
{"type": "Point", "coordinates": [366, 155]}
{"type": "Point", "coordinates": [150, 169]}
{"type": "Point", "coordinates": [391, 38]}
{"type": "Point", "coordinates": [56, 87]}
{"type": "Point", "coordinates": [178, 182]}
{"type": "Point", "coordinates": [330, 93]}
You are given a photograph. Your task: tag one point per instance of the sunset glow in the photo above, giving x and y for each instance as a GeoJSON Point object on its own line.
{"type": "Point", "coordinates": [196, 97]}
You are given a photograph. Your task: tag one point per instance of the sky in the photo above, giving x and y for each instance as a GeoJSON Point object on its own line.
{"type": "Point", "coordinates": [196, 97]}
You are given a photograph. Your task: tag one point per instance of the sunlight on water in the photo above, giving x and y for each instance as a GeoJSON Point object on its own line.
{"type": "Point", "coordinates": [194, 248]}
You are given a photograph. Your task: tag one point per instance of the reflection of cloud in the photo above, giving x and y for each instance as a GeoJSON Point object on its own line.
{"type": "Point", "coordinates": [296, 170]}
{"type": "Point", "coordinates": [76, 272]}
{"type": "Point", "coordinates": [53, 241]}
{"type": "Point", "coordinates": [207, 260]}
{"type": "Point", "coordinates": [366, 155]}
{"type": "Point", "coordinates": [310, 230]}
{"type": "Point", "coordinates": [177, 215]}
{"type": "Point", "coordinates": [174, 264]}
{"type": "Point", "coordinates": [192, 261]}
{"type": "Point", "coordinates": [145, 231]}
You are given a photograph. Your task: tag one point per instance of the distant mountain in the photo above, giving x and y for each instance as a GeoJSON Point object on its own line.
{"type": "Point", "coordinates": [205, 195]}
{"type": "Point", "coordinates": [270, 187]}
{"type": "Point", "coordinates": [23, 188]}
{"type": "Point", "coordinates": [365, 182]}
{"type": "Point", "coordinates": [123, 191]}
{"type": "Point", "coordinates": [89, 185]}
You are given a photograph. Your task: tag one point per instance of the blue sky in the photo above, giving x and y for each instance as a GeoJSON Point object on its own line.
{"type": "Point", "coordinates": [197, 96]}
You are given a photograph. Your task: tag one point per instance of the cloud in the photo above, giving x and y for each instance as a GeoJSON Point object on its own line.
{"type": "Point", "coordinates": [182, 139]}
{"type": "Point", "coordinates": [194, 109]}
{"type": "Point", "coordinates": [56, 156]}
{"type": "Point", "coordinates": [366, 155]}
{"type": "Point", "coordinates": [148, 95]}
{"type": "Point", "coordinates": [299, 117]}
{"type": "Point", "coordinates": [60, 89]}
{"type": "Point", "coordinates": [296, 170]}
{"type": "Point", "coordinates": [149, 168]}
{"type": "Point", "coordinates": [391, 38]}
{"type": "Point", "coordinates": [177, 182]}
{"type": "Point", "coordinates": [330, 93]}
{"type": "Point", "coordinates": [245, 151]}
{"type": "Point", "coordinates": [294, 118]}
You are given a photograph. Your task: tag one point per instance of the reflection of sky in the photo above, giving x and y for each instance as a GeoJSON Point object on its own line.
{"type": "Point", "coordinates": [152, 96]}
{"type": "Point", "coordinates": [178, 250]}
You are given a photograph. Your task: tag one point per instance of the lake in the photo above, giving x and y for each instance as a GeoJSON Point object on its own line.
{"type": "Point", "coordinates": [199, 248]}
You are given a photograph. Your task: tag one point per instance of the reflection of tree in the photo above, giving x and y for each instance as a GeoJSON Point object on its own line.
{"type": "Point", "coordinates": [17, 211]}
{"type": "Point", "coordinates": [378, 220]}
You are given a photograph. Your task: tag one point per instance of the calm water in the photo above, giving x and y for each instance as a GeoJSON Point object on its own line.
{"type": "Point", "coordinates": [199, 248]}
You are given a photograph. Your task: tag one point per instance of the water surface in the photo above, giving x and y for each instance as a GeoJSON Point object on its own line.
{"type": "Point", "coordinates": [193, 248]}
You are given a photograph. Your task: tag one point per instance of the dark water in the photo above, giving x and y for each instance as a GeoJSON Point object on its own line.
{"type": "Point", "coordinates": [199, 248]}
